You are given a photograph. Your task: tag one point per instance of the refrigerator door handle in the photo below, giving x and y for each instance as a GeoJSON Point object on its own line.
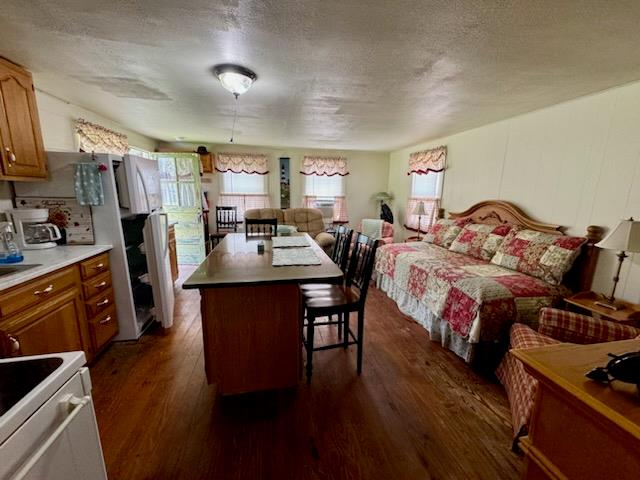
{"type": "Point", "coordinates": [166, 234]}
{"type": "Point", "coordinates": [144, 187]}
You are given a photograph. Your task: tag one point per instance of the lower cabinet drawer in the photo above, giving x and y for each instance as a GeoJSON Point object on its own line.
{"type": "Point", "coordinates": [37, 291]}
{"type": "Point", "coordinates": [99, 303]}
{"type": "Point", "coordinates": [103, 328]}
{"type": "Point", "coordinates": [96, 285]}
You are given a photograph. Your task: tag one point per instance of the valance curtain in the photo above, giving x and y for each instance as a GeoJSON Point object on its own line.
{"type": "Point", "coordinates": [431, 206]}
{"type": "Point", "coordinates": [426, 161]}
{"type": "Point", "coordinates": [328, 166]}
{"type": "Point", "coordinates": [98, 139]}
{"type": "Point", "coordinates": [242, 163]}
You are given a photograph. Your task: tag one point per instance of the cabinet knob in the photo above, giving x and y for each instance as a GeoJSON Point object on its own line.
{"type": "Point", "coordinates": [105, 320]}
{"type": "Point", "coordinates": [101, 284]}
{"type": "Point", "coordinates": [103, 302]}
{"type": "Point", "coordinates": [15, 344]}
{"type": "Point", "coordinates": [11, 155]}
{"type": "Point", "coordinates": [45, 291]}
{"type": "Point", "coordinates": [99, 266]}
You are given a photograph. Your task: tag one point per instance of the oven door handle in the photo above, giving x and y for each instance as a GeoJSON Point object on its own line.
{"type": "Point", "coordinates": [74, 405]}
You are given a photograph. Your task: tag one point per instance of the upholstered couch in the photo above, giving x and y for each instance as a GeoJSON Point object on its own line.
{"type": "Point", "coordinates": [307, 220]}
{"type": "Point", "coordinates": [554, 326]}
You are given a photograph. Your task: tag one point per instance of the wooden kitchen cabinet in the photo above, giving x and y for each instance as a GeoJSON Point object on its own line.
{"type": "Point", "coordinates": [69, 309]}
{"type": "Point", "coordinates": [22, 154]}
{"type": "Point", "coordinates": [206, 159]}
{"type": "Point", "coordinates": [173, 253]}
{"type": "Point", "coordinates": [56, 325]}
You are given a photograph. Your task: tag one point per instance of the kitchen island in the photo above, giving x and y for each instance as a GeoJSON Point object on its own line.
{"type": "Point", "coordinates": [251, 314]}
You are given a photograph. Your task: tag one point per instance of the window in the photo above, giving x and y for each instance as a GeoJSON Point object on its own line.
{"type": "Point", "coordinates": [426, 186]}
{"type": "Point", "coordinates": [245, 191]}
{"type": "Point", "coordinates": [324, 185]}
{"type": "Point", "coordinates": [247, 183]}
{"type": "Point", "coordinates": [427, 176]}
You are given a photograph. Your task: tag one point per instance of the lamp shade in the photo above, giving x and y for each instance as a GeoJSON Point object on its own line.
{"type": "Point", "coordinates": [625, 237]}
{"type": "Point", "coordinates": [419, 209]}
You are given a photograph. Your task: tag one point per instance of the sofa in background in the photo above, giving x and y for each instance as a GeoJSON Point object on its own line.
{"type": "Point", "coordinates": [554, 326]}
{"type": "Point", "coordinates": [307, 220]}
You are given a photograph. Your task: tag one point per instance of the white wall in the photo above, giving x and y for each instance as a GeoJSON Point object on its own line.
{"type": "Point", "coordinates": [57, 119]}
{"type": "Point", "coordinates": [574, 164]}
{"type": "Point", "coordinates": [367, 175]}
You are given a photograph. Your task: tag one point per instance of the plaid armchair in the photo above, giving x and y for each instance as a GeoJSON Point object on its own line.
{"type": "Point", "coordinates": [386, 230]}
{"type": "Point", "coordinates": [555, 326]}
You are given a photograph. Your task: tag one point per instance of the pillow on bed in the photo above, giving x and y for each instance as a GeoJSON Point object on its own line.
{"type": "Point", "coordinates": [542, 255]}
{"type": "Point", "coordinates": [479, 240]}
{"type": "Point", "coordinates": [444, 232]}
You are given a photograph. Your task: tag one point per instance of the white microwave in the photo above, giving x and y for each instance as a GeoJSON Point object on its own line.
{"type": "Point", "coordinates": [138, 182]}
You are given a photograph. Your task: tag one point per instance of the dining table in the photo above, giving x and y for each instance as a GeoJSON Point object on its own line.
{"type": "Point", "coordinates": [252, 312]}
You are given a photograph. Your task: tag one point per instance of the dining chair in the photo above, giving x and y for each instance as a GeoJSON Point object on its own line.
{"type": "Point", "coordinates": [341, 300]}
{"type": "Point", "coordinates": [260, 227]}
{"type": "Point", "coordinates": [226, 222]}
{"type": "Point", "coordinates": [340, 256]}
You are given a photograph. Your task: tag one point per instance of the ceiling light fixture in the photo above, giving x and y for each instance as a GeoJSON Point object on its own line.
{"type": "Point", "coordinates": [237, 79]}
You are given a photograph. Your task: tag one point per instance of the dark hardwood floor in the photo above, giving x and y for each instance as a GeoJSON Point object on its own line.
{"type": "Point", "coordinates": [416, 412]}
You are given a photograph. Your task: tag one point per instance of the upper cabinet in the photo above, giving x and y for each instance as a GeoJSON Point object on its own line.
{"type": "Point", "coordinates": [22, 154]}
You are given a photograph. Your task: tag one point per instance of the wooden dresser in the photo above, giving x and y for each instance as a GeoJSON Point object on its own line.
{"type": "Point", "coordinates": [579, 428]}
{"type": "Point", "coordinates": [69, 309]}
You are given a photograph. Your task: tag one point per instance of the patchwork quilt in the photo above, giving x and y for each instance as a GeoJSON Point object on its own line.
{"type": "Point", "coordinates": [477, 299]}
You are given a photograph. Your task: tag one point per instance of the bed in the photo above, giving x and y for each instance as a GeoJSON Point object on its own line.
{"type": "Point", "coordinates": [468, 304]}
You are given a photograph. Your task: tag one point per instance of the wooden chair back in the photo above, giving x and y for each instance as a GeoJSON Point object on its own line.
{"type": "Point", "coordinates": [361, 263]}
{"type": "Point", "coordinates": [340, 252]}
{"type": "Point", "coordinates": [227, 219]}
{"type": "Point", "coordinates": [261, 227]}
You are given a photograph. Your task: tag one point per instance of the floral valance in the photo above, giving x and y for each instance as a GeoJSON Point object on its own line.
{"type": "Point", "coordinates": [327, 166]}
{"type": "Point", "coordinates": [433, 160]}
{"type": "Point", "coordinates": [242, 163]}
{"type": "Point", "coordinates": [98, 139]}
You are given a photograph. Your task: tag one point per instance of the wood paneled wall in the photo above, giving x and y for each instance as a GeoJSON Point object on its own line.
{"type": "Point", "coordinates": [573, 164]}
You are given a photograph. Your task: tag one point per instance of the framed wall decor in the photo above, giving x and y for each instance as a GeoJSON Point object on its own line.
{"type": "Point", "coordinates": [285, 185]}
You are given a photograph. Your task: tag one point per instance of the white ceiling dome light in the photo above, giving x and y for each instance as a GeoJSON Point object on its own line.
{"type": "Point", "coordinates": [235, 78]}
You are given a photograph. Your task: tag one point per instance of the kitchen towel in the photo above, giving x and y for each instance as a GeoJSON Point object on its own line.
{"type": "Point", "coordinates": [88, 184]}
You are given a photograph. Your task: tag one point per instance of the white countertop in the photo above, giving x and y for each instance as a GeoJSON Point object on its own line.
{"type": "Point", "coordinates": [49, 260]}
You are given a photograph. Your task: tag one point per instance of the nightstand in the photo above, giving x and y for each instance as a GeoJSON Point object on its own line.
{"type": "Point", "coordinates": [587, 301]}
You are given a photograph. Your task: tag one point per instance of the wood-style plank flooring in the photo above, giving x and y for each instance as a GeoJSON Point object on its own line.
{"type": "Point", "coordinates": [416, 412]}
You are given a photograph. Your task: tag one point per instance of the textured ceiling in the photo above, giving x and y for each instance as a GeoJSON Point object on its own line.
{"type": "Point", "coordinates": [373, 75]}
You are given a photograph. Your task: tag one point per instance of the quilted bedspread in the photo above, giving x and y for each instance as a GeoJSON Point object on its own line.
{"type": "Point", "coordinates": [477, 299]}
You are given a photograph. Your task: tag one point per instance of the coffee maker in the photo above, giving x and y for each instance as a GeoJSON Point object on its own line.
{"type": "Point", "coordinates": [33, 232]}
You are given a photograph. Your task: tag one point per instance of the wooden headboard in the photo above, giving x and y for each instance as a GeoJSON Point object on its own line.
{"type": "Point", "coordinates": [498, 212]}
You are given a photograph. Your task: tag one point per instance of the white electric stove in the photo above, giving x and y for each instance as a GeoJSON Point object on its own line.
{"type": "Point", "coordinates": [48, 427]}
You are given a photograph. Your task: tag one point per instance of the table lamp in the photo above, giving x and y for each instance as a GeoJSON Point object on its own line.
{"type": "Point", "coordinates": [419, 210]}
{"type": "Point", "coordinates": [624, 238]}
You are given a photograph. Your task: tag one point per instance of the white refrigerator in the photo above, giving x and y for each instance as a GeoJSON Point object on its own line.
{"type": "Point", "coordinates": [131, 187]}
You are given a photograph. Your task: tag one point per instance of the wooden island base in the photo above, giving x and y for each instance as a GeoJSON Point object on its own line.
{"type": "Point", "coordinates": [251, 337]}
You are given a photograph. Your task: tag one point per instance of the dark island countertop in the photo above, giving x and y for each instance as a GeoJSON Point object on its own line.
{"type": "Point", "coordinates": [236, 262]}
